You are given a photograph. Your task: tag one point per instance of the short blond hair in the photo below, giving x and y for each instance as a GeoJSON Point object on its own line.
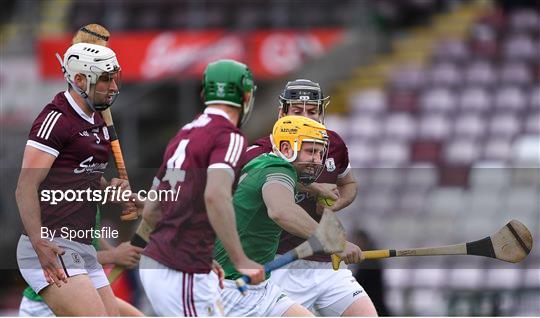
{"type": "Point", "coordinates": [93, 34]}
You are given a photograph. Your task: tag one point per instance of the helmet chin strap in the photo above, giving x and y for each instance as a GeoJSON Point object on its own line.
{"type": "Point", "coordinates": [82, 93]}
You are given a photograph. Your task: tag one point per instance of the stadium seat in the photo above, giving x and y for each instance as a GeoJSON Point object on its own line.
{"type": "Point", "coordinates": [454, 175]}
{"type": "Point", "coordinates": [400, 126]}
{"type": "Point", "coordinates": [421, 176]}
{"type": "Point", "coordinates": [520, 47]}
{"type": "Point", "coordinates": [474, 99]}
{"type": "Point", "coordinates": [515, 73]}
{"type": "Point", "coordinates": [532, 123]}
{"type": "Point", "coordinates": [445, 74]}
{"type": "Point", "coordinates": [480, 73]}
{"type": "Point", "coordinates": [438, 99]}
{"type": "Point", "coordinates": [428, 302]}
{"type": "Point", "coordinates": [510, 98]}
{"type": "Point", "coordinates": [462, 151]}
{"type": "Point", "coordinates": [470, 126]}
{"type": "Point", "coordinates": [465, 278]}
{"type": "Point", "coordinates": [386, 178]}
{"type": "Point", "coordinates": [368, 102]}
{"type": "Point", "coordinates": [408, 77]}
{"type": "Point", "coordinates": [534, 97]}
{"type": "Point", "coordinates": [508, 278]}
{"type": "Point", "coordinates": [412, 202]}
{"type": "Point", "coordinates": [451, 50]}
{"type": "Point", "coordinates": [403, 100]}
{"type": "Point", "coordinates": [425, 151]}
{"type": "Point", "coordinates": [504, 124]}
{"type": "Point", "coordinates": [434, 127]}
{"type": "Point", "coordinates": [497, 148]}
{"type": "Point", "coordinates": [365, 127]}
{"type": "Point", "coordinates": [361, 154]}
{"type": "Point", "coordinates": [392, 153]}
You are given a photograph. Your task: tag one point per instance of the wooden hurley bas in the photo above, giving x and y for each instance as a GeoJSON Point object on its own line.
{"type": "Point", "coordinates": [512, 243]}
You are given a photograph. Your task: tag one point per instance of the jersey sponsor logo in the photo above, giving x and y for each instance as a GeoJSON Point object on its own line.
{"type": "Point", "coordinates": [236, 144]}
{"type": "Point", "coordinates": [48, 124]}
{"type": "Point", "coordinates": [84, 134]}
{"type": "Point", "coordinates": [330, 164]}
{"type": "Point", "coordinates": [90, 167]}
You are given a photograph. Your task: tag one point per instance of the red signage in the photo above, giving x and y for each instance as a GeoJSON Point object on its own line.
{"type": "Point", "coordinates": [156, 55]}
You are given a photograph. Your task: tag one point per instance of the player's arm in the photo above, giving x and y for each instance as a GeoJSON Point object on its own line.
{"type": "Point", "coordinates": [279, 201]}
{"type": "Point", "coordinates": [35, 168]}
{"type": "Point", "coordinates": [218, 200]}
{"type": "Point", "coordinates": [151, 211]}
{"type": "Point", "coordinates": [348, 190]}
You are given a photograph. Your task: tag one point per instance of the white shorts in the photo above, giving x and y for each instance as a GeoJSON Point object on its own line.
{"type": "Point", "coordinates": [32, 308]}
{"type": "Point", "coordinates": [78, 259]}
{"type": "Point", "coordinates": [175, 293]}
{"type": "Point", "coordinates": [316, 286]}
{"type": "Point", "coordinates": [262, 300]}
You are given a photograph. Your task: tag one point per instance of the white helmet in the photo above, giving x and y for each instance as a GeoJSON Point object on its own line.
{"type": "Point", "coordinates": [92, 61]}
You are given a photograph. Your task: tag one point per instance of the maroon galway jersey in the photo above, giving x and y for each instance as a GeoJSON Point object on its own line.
{"type": "Point", "coordinates": [184, 239]}
{"type": "Point", "coordinates": [336, 166]}
{"type": "Point", "coordinates": [80, 144]}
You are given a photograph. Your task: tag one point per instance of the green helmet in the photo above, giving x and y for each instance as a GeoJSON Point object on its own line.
{"type": "Point", "coordinates": [225, 82]}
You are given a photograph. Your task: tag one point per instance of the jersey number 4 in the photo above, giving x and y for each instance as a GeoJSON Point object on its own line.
{"type": "Point", "coordinates": [174, 173]}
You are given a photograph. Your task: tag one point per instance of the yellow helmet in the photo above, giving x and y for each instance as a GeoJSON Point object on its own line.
{"type": "Point", "coordinates": [296, 130]}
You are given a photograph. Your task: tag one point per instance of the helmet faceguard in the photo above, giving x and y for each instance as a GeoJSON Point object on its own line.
{"type": "Point", "coordinates": [300, 131]}
{"type": "Point", "coordinates": [304, 92]}
{"type": "Point", "coordinates": [230, 83]}
{"type": "Point", "coordinates": [98, 64]}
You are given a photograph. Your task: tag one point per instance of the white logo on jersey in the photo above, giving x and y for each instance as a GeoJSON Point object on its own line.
{"type": "Point", "coordinates": [84, 134]}
{"type": "Point", "coordinates": [330, 164]}
{"type": "Point", "coordinates": [87, 166]}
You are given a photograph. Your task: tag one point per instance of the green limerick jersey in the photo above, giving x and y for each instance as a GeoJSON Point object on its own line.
{"type": "Point", "coordinates": [29, 293]}
{"type": "Point", "coordinates": [259, 234]}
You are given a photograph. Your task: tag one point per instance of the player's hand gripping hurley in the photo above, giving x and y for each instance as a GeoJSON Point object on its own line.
{"type": "Point", "coordinates": [129, 210]}
{"type": "Point", "coordinates": [512, 243]}
{"type": "Point", "coordinates": [329, 237]}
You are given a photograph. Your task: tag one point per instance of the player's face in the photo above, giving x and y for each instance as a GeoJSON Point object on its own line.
{"type": "Point", "coordinates": [308, 110]}
{"type": "Point", "coordinates": [311, 152]}
{"type": "Point", "coordinates": [106, 88]}
{"type": "Point", "coordinates": [309, 162]}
